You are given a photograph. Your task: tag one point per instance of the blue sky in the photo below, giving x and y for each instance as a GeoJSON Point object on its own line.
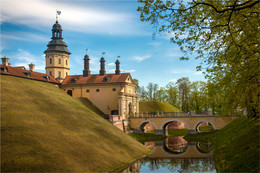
{"type": "Point", "coordinates": [110, 26]}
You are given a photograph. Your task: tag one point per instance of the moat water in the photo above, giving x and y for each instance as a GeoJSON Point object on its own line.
{"type": "Point", "coordinates": [175, 154]}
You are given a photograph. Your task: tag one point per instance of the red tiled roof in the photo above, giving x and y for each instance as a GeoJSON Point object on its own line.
{"type": "Point", "coordinates": [22, 72]}
{"type": "Point", "coordinates": [96, 79]}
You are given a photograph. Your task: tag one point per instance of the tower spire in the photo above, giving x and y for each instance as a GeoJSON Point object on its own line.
{"type": "Point", "coordinates": [57, 13]}
{"type": "Point", "coordinates": [86, 71]}
{"type": "Point", "coordinates": [117, 66]}
{"type": "Point", "coordinates": [102, 70]}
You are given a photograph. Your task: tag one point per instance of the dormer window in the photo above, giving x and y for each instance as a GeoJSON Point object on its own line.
{"type": "Point", "coordinates": [105, 79]}
{"type": "Point", "coordinates": [27, 73]}
{"type": "Point", "coordinates": [4, 69]}
{"type": "Point", "coordinates": [73, 80]}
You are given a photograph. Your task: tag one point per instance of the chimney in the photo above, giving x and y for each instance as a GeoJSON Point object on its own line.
{"type": "Point", "coordinates": [102, 66]}
{"type": "Point", "coordinates": [5, 61]}
{"type": "Point", "coordinates": [31, 67]}
{"type": "Point", "coordinates": [86, 71]}
{"type": "Point", "coordinates": [117, 67]}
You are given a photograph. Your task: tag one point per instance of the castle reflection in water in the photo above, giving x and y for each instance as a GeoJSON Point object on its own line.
{"type": "Point", "coordinates": [175, 154]}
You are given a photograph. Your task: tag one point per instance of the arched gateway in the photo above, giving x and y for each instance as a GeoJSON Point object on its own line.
{"type": "Point", "coordinates": [191, 122]}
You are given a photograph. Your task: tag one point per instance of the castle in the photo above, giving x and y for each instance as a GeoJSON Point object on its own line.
{"type": "Point", "coordinates": [113, 94]}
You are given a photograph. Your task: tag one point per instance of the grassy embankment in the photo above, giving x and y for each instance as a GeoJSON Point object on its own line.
{"type": "Point", "coordinates": [235, 147]}
{"type": "Point", "coordinates": [156, 106]}
{"type": "Point", "coordinates": [45, 130]}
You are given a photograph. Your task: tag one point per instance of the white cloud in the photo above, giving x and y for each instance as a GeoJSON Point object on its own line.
{"type": "Point", "coordinates": [173, 80]}
{"type": "Point", "coordinates": [23, 58]}
{"type": "Point", "coordinates": [186, 71]}
{"type": "Point", "coordinates": [24, 36]}
{"type": "Point", "coordinates": [83, 17]}
{"type": "Point", "coordinates": [141, 58]}
{"type": "Point", "coordinates": [111, 64]}
{"type": "Point", "coordinates": [128, 71]}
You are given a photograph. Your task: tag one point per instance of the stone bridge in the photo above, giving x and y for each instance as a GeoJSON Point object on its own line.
{"type": "Point", "coordinates": [137, 123]}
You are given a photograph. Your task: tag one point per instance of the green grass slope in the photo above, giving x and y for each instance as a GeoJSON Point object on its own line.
{"type": "Point", "coordinates": [45, 130]}
{"type": "Point", "coordinates": [235, 147]}
{"type": "Point", "coordinates": [154, 106]}
{"type": "Point", "coordinates": [90, 105]}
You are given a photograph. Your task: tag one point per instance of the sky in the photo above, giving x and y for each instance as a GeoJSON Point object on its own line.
{"type": "Point", "coordinates": [110, 26]}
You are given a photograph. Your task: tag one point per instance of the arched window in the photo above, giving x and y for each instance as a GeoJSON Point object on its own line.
{"type": "Point", "coordinates": [59, 74]}
{"type": "Point", "coordinates": [50, 60]}
{"type": "Point", "coordinates": [66, 62]}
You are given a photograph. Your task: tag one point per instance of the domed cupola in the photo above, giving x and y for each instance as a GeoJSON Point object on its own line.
{"type": "Point", "coordinates": [56, 44]}
{"type": "Point", "coordinates": [56, 30]}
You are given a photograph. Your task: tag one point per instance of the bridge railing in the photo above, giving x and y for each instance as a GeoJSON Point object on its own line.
{"type": "Point", "coordinates": [163, 114]}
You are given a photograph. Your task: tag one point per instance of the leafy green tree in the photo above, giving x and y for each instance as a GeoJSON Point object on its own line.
{"type": "Point", "coordinates": [224, 34]}
{"type": "Point", "coordinates": [173, 94]}
{"type": "Point", "coordinates": [152, 89]}
{"type": "Point", "coordinates": [184, 89]}
{"type": "Point", "coordinates": [162, 95]}
{"type": "Point", "coordinates": [198, 96]}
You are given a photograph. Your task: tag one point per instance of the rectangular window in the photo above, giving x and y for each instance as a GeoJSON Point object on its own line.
{"type": "Point", "coordinates": [50, 73]}
{"type": "Point", "coordinates": [59, 61]}
{"type": "Point", "coordinates": [97, 90]}
{"type": "Point", "coordinates": [87, 90]}
{"type": "Point", "coordinates": [59, 74]}
{"type": "Point", "coordinates": [50, 60]}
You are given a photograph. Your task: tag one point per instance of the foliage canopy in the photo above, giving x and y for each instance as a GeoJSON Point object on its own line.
{"type": "Point", "coordinates": [224, 34]}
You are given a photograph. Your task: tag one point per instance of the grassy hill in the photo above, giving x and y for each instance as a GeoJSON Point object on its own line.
{"type": "Point", "coordinates": [235, 147]}
{"type": "Point", "coordinates": [45, 130]}
{"type": "Point", "coordinates": [154, 106]}
{"type": "Point", "coordinates": [90, 105]}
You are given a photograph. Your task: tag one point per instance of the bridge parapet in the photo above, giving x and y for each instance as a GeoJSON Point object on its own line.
{"type": "Point", "coordinates": [165, 115]}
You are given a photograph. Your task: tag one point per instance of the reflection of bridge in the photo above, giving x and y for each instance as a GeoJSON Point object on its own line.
{"type": "Point", "coordinates": [160, 122]}
{"type": "Point", "coordinates": [192, 152]}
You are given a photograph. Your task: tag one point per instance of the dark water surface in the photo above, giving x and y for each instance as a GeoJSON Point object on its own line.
{"type": "Point", "coordinates": [175, 154]}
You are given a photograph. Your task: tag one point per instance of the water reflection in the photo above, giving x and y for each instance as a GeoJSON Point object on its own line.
{"type": "Point", "coordinates": [175, 154]}
{"type": "Point", "coordinates": [176, 145]}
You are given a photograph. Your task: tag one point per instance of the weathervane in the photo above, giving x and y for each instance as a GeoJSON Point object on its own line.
{"type": "Point", "coordinates": [118, 57]}
{"type": "Point", "coordinates": [86, 50]}
{"type": "Point", "coordinates": [103, 53]}
{"type": "Point", "coordinates": [57, 13]}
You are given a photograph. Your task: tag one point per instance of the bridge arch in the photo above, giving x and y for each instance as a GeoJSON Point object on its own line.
{"type": "Point", "coordinates": [200, 151]}
{"type": "Point", "coordinates": [143, 123]}
{"type": "Point", "coordinates": [203, 120]}
{"type": "Point", "coordinates": [172, 120]}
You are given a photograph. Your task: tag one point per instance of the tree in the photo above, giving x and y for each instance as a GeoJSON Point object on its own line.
{"type": "Point", "coordinates": [172, 95]}
{"type": "Point", "coordinates": [198, 96]}
{"type": "Point", "coordinates": [184, 88]}
{"type": "Point", "coordinates": [225, 36]}
{"type": "Point", "coordinates": [152, 89]}
{"type": "Point", "coordinates": [162, 95]}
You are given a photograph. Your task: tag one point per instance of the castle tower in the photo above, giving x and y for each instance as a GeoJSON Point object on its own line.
{"type": "Point", "coordinates": [117, 71]}
{"type": "Point", "coordinates": [102, 61]}
{"type": "Point", "coordinates": [86, 71]}
{"type": "Point", "coordinates": [57, 55]}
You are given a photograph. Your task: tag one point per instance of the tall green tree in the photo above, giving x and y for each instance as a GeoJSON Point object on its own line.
{"type": "Point", "coordinates": [173, 94]}
{"type": "Point", "coordinates": [184, 89]}
{"type": "Point", "coordinates": [225, 36]}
